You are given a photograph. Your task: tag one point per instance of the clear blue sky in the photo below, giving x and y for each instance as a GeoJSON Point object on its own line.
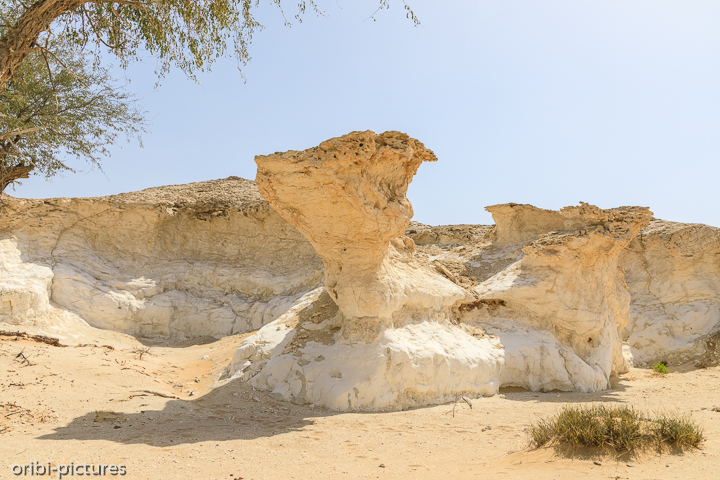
{"type": "Point", "coordinates": [612, 102]}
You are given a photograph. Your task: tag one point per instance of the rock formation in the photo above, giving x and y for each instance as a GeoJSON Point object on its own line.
{"type": "Point", "coordinates": [24, 287]}
{"type": "Point", "coordinates": [379, 335]}
{"type": "Point", "coordinates": [347, 196]}
{"type": "Point", "coordinates": [355, 306]}
{"type": "Point", "coordinates": [673, 271]}
{"type": "Point", "coordinates": [184, 261]}
{"type": "Point", "coordinates": [559, 309]}
{"type": "Point", "coordinates": [394, 327]}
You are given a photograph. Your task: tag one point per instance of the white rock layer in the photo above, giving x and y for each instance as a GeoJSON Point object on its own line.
{"type": "Point", "coordinates": [422, 361]}
{"type": "Point", "coordinates": [559, 309]}
{"type": "Point", "coordinates": [182, 261]}
{"type": "Point", "coordinates": [673, 271]}
{"type": "Point", "coordinates": [24, 287]}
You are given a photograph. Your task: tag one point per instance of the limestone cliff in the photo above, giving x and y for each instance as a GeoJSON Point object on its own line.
{"type": "Point", "coordinates": [673, 271]}
{"type": "Point", "coordinates": [560, 307]}
{"type": "Point", "coordinates": [209, 258]}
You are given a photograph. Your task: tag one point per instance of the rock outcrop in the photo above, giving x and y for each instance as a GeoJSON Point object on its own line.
{"type": "Point", "coordinates": [519, 223]}
{"type": "Point", "coordinates": [210, 258]}
{"type": "Point", "coordinates": [673, 271]}
{"type": "Point", "coordinates": [560, 308]}
{"type": "Point", "coordinates": [380, 334]}
{"type": "Point", "coordinates": [347, 196]}
{"type": "Point", "coordinates": [395, 327]}
{"type": "Point", "coordinates": [24, 287]}
{"type": "Point", "coordinates": [357, 307]}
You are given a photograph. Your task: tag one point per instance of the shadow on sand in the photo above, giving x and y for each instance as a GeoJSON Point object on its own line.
{"type": "Point", "coordinates": [229, 412]}
{"type": "Point", "coordinates": [236, 411]}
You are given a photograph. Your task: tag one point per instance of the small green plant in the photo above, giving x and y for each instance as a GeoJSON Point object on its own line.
{"type": "Point", "coordinates": [621, 428]}
{"type": "Point", "coordinates": [661, 368]}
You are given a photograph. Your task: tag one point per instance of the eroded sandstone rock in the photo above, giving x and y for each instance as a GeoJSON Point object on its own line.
{"type": "Point", "coordinates": [565, 300]}
{"type": "Point", "coordinates": [392, 342]}
{"type": "Point", "coordinates": [24, 288]}
{"type": "Point", "coordinates": [182, 261]}
{"type": "Point", "coordinates": [521, 223]}
{"type": "Point", "coordinates": [673, 271]}
{"type": "Point", "coordinates": [347, 196]}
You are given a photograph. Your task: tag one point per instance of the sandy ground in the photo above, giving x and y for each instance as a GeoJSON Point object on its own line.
{"type": "Point", "coordinates": [98, 404]}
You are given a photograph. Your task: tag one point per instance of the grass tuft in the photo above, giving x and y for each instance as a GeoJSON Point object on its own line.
{"type": "Point", "coordinates": [661, 368]}
{"type": "Point", "coordinates": [621, 428]}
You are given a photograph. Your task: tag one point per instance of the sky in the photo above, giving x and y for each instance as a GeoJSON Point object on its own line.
{"type": "Point", "coordinates": [545, 102]}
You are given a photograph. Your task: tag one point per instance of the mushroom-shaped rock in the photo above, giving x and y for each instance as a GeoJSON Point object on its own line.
{"type": "Point", "coordinates": [347, 196]}
{"type": "Point", "coordinates": [383, 332]}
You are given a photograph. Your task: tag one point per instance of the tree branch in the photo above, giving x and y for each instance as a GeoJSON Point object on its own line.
{"type": "Point", "coordinates": [65, 67]}
{"type": "Point", "coordinates": [20, 39]}
{"type": "Point", "coordinates": [9, 174]}
{"type": "Point", "coordinates": [14, 133]}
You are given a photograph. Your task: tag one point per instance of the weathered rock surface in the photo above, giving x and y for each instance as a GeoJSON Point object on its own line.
{"type": "Point", "coordinates": [673, 271]}
{"type": "Point", "coordinates": [210, 258]}
{"type": "Point", "coordinates": [347, 196]}
{"type": "Point", "coordinates": [408, 315]}
{"type": "Point", "coordinates": [303, 357]}
{"type": "Point", "coordinates": [389, 341]}
{"type": "Point", "coordinates": [24, 287]}
{"type": "Point", "coordinates": [560, 308]}
{"type": "Point", "coordinates": [393, 323]}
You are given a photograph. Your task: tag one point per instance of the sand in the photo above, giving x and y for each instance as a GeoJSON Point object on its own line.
{"type": "Point", "coordinates": [99, 404]}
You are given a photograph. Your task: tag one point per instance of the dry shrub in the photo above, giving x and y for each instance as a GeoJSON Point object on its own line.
{"type": "Point", "coordinates": [621, 428]}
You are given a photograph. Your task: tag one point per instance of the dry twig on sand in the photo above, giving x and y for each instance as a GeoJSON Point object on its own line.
{"type": "Point", "coordinates": [141, 351]}
{"type": "Point", "coordinates": [55, 342]}
{"type": "Point", "coordinates": [24, 360]}
{"type": "Point", "coordinates": [145, 393]}
{"type": "Point", "coordinates": [455, 403]}
{"type": "Point", "coordinates": [17, 411]}
{"type": "Point", "coordinates": [94, 345]}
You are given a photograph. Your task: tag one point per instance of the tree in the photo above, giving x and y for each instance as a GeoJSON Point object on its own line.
{"type": "Point", "coordinates": [57, 106]}
{"type": "Point", "coordinates": [187, 33]}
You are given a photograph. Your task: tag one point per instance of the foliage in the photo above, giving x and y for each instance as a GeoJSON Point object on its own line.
{"type": "Point", "coordinates": [661, 368]}
{"type": "Point", "coordinates": [60, 106]}
{"type": "Point", "coordinates": [621, 428]}
{"type": "Point", "coordinates": [187, 34]}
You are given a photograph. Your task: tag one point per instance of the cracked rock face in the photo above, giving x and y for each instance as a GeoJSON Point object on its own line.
{"type": "Point", "coordinates": [347, 196]}
{"type": "Point", "coordinates": [564, 301]}
{"type": "Point", "coordinates": [673, 271]}
{"type": "Point", "coordinates": [178, 262]}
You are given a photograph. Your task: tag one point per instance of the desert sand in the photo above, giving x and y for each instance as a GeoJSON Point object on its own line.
{"type": "Point", "coordinates": [88, 404]}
